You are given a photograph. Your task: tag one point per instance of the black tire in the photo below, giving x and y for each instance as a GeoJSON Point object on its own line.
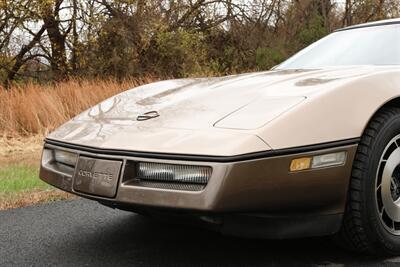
{"type": "Point", "coordinates": [364, 228]}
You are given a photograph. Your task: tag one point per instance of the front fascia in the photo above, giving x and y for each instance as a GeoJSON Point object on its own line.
{"type": "Point", "coordinates": [259, 185]}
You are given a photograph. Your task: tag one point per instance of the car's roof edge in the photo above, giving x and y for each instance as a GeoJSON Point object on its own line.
{"type": "Point", "coordinates": [370, 24]}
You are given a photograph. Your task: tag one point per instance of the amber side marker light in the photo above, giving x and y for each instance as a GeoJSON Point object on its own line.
{"type": "Point", "coordinates": [317, 162]}
{"type": "Point", "coordinates": [300, 164]}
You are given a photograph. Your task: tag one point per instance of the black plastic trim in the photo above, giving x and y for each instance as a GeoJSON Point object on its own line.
{"type": "Point", "coordinates": [244, 157]}
{"type": "Point", "coordinates": [369, 25]}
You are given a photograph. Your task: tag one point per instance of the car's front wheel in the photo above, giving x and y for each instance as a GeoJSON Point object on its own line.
{"type": "Point", "coordinates": [372, 219]}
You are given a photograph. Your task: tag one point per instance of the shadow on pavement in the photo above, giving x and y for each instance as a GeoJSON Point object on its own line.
{"type": "Point", "coordinates": [139, 240]}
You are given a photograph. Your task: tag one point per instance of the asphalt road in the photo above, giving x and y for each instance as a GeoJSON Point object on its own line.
{"type": "Point", "coordinates": [84, 233]}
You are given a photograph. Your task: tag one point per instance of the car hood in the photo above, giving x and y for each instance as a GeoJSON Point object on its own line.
{"type": "Point", "coordinates": [214, 116]}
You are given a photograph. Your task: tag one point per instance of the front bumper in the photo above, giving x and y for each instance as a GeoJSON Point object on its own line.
{"type": "Point", "coordinates": [263, 187]}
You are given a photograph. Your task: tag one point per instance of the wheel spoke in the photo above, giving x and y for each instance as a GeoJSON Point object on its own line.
{"type": "Point", "coordinates": [378, 187]}
{"type": "Point", "coordinates": [390, 162]}
{"type": "Point", "coordinates": [393, 183]}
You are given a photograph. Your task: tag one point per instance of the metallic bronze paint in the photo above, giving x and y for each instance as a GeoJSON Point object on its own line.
{"type": "Point", "coordinates": [261, 185]}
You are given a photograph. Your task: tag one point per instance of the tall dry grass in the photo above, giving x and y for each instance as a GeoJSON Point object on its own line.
{"type": "Point", "coordinates": [34, 109]}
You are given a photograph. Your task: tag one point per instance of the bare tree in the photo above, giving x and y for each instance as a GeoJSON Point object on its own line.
{"type": "Point", "coordinates": [123, 38]}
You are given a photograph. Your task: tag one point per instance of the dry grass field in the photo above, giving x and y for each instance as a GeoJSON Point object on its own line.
{"type": "Point", "coordinates": [33, 109]}
{"type": "Point", "coordinates": [27, 114]}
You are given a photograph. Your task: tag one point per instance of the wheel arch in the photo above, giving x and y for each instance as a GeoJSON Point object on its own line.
{"type": "Point", "coordinates": [393, 102]}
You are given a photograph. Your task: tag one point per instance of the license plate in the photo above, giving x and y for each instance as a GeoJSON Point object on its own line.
{"type": "Point", "coordinates": [97, 176]}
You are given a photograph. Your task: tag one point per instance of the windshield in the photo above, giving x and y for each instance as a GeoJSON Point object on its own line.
{"type": "Point", "coordinates": [378, 45]}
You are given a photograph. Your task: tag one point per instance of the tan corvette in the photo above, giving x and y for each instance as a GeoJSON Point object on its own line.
{"type": "Point", "coordinates": [311, 148]}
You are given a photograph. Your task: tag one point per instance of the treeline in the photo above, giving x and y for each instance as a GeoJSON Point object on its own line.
{"type": "Point", "coordinates": [53, 40]}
